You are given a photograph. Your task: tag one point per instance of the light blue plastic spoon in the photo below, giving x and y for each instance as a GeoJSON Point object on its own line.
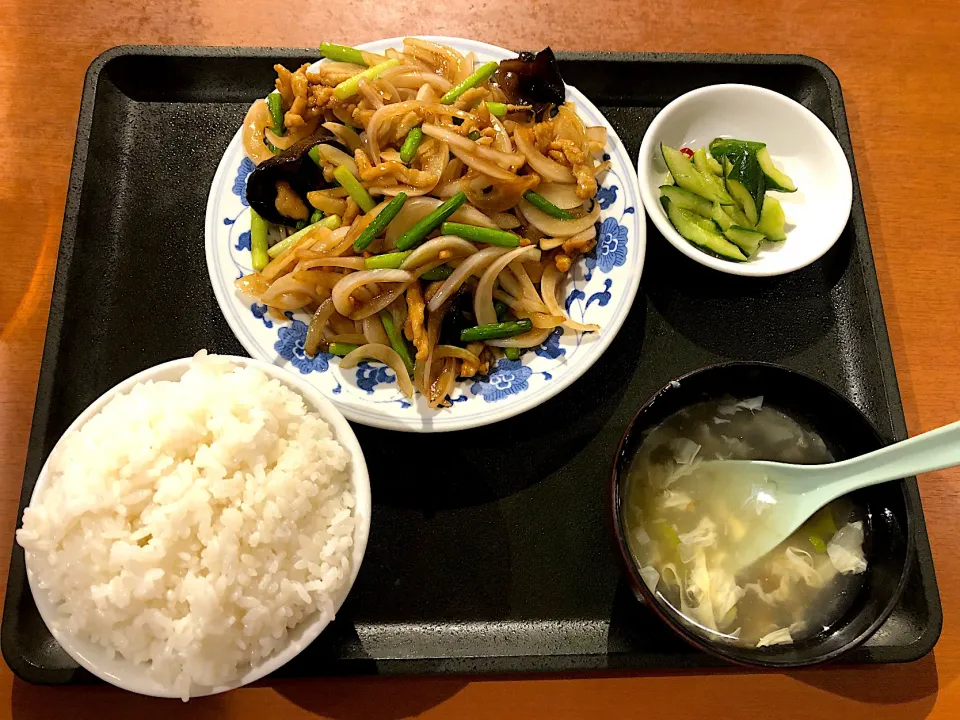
{"type": "Point", "coordinates": [783, 495]}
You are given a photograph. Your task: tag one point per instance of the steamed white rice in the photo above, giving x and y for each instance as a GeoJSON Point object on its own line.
{"type": "Point", "coordinates": [191, 524]}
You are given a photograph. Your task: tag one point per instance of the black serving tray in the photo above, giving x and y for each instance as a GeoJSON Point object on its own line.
{"type": "Point", "coordinates": [491, 553]}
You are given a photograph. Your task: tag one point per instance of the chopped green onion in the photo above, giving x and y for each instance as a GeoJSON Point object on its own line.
{"type": "Point", "coordinates": [498, 110]}
{"type": "Point", "coordinates": [354, 189]}
{"type": "Point", "coordinates": [316, 216]}
{"type": "Point", "coordinates": [818, 544]}
{"type": "Point", "coordinates": [501, 309]}
{"type": "Point", "coordinates": [331, 222]}
{"type": "Point", "coordinates": [431, 222]}
{"type": "Point", "coordinates": [341, 349]}
{"type": "Point", "coordinates": [300, 224]}
{"type": "Point", "coordinates": [271, 147]}
{"type": "Point", "coordinates": [379, 223]}
{"type": "Point", "coordinates": [479, 76]}
{"type": "Point", "coordinates": [314, 154]}
{"type": "Point", "coordinates": [342, 53]}
{"type": "Point", "coordinates": [441, 272]}
{"type": "Point", "coordinates": [481, 234]}
{"type": "Point", "coordinates": [387, 261]}
{"type": "Point", "coordinates": [258, 241]}
{"type": "Point", "coordinates": [275, 102]}
{"type": "Point", "coordinates": [541, 203]}
{"type": "Point", "coordinates": [408, 150]}
{"type": "Point", "coordinates": [349, 88]}
{"type": "Point", "coordinates": [512, 353]}
{"type": "Point", "coordinates": [473, 135]}
{"type": "Point", "coordinates": [495, 331]}
{"type": "Point", "coordinates": [397, 341]}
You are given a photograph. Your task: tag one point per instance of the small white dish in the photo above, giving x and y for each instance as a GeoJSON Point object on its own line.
{"type": "Point", "coordinates": [600, 290]}
{"type": "Point", "coordinates": [800, 145]}
{"type": "Point", "coordinates": [135, 678]}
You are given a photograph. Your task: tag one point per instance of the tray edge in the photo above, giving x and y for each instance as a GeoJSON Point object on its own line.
{"type": "Point", "coordinates": [26, 671]}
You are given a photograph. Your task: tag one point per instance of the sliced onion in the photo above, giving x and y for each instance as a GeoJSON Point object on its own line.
{"type": "Point", "coordinates": [448, 189]}
{"type": "Point", "coordinates": [286, 285]}
{"type": "Point", "coordinates": [336, 156]}
{"type": "Point", "coordinates": [424, 368]}
{"type": "Point", "coordinates": [589, 234]}
{"type": "Point", "coordinates": [548, 169]}
{"type": "Point", "coordinates": [252, 285]}
{"type": "Point", "coordinates": [373, 330]}
{"type": "Point", "coordinates": [543, 320]}
{"type": "Point", "coordinates": [417, 208]}
{"type": "Point", "coordinates": [501, 140]}
{"type": "Point", "coordinates": [385, 86]}
{"type": "Point", "coordinates": [344, 289]}
{"type": "Point", "coordinates": [529, 339]}
{"type": "Point", "coordinates": [290, 301]}
{"type": "Point", "coordinates": [469, 215]}
{"type": "Point", "coordinates": [454, 139]}
{"type": "Point", "coordinates": [568, 125]}
{"type": "Point", "coordinates": [424, 94]}
{"type": "Point", "coordinates": [597, 134]}
{"type": "Point", "coordinates": [256, 121]}
{"type": "Point", "coordinates": [443, 384]}
{"type": "Point", "coordinates": [549, 243]}
{"type": "Point", "coordinates": [346, 135]}
{"type": "Point", "coordinates": [445, 351]}
{"type": "Point", "coordinates": [548, 287]}
{"type": "Point", "coordinates": [484, 166]}
{"type": "Point", "coordinates": [292, 136]}
{"type": "Point", "coordinates": [534, 270]}
{"type": "Point", "coordinates": [341, 325]}
{"type": "Point", "coordinates": [529, 291]}
{"type": "Point", "coordinates": [442, 57]}
{"type": "Point", "coordinates": [432, 248]}
{"type": "Point", "coordinates": [378, 118]}
{"type": "Point", "coordinates": [555, 227]}
{"type": "Point", "coordinates": [275, 267]}
{"type": "Point", "coordinates": [449, 111]}
{"type": "Point", "coordinates": [466, 67]}
{"type": "Point", "coordinates": [398, 309]}
{"type": "Point", "coordinates": [502, 196]}
{"type": "Point", "coordinates": [509, 283]}
{"type": "Point", "coordinates": [385, 354]}
{"type": "Point", "coordinates": [505, 221]}
{"type": "Point", "coordinates": [483, 297]}
{"type": "Point", "coordinates": [322, 248]}
{"type": "Point", "coordinates": [562, 195]}
{"type": "Point", "coordinates": [317, 323]}
{"type": "Point", "coordinates": [418, 80]}
{"type": "Point", "coordinates": [473, 265]}
{"type": "Point", "coordinates": [452, 171]}
{"type": "Point", "coordinates": [435, 164]}
{"type": "Point", "coordinates": [370, 94]}
{"type": "Point", "coordinates": [384, 299]}
{"type": "Point", "coordinates": [331, 72]}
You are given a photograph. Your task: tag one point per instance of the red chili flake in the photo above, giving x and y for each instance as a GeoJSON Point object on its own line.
{"type": "Point", "coordinates": [687, 151]}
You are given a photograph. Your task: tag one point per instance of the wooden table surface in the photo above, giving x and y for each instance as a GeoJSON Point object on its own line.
{"type": "Point", "coordinates": [897, 62]}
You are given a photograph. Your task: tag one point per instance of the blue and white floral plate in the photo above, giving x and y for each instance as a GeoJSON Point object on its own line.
{"type": "Point", "coordinates": [601, 290]}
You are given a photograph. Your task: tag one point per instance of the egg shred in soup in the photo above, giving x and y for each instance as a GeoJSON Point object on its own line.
{"type": "Point", "coordinates": [684, 517]}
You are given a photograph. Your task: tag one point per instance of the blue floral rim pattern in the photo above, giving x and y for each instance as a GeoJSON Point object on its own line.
{"type": "Point", "coordinates": [604, 280]}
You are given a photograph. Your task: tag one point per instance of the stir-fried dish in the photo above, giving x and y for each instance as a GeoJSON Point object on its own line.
{"type": "Point", "coordinates": [422, 207]}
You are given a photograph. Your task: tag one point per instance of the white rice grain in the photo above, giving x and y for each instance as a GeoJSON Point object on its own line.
{"type": "Point", "coordinates": [182, 526]}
